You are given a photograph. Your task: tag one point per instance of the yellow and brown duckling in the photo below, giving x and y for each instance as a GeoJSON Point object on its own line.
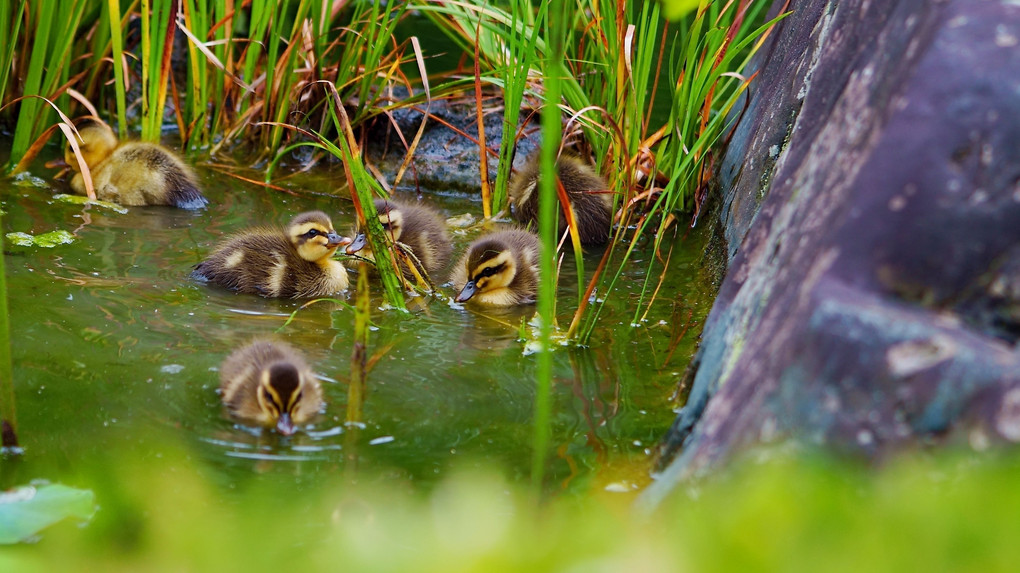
{"type": "Point", "coordinates": [589, 196]}
{"type": "Point", "coordinates": [131, 173]}
{"type": "Point", "coordinates": [292, 263]}
{"type": "Point", "coordinates": [269, 383]}
{"type": "Point", "coordinates": [419, 228]}
{"type": "Point", "coordinates": [498, 270]}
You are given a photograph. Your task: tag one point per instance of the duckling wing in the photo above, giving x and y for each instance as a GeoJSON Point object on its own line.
{"type": "Point", "coordinates": [425, 233]}
{"type": "Point", "coordinates": [148, 174]}
{"type": "Point", "coordinates": [254, 262]}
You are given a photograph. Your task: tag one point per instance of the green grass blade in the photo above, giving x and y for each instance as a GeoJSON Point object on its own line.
{"type": "Point", "coordinates": [116, 36]}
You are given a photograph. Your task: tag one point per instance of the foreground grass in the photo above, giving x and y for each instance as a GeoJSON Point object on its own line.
{"type": "Point", "coordinates": [951, 513]}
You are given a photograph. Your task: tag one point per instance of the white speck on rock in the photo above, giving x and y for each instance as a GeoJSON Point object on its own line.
{"type": "Point", "coordinates": [865, 437]}
{"type": "Point", "coordinates": [913, 356]}
{"type": "Point", "coordinates": [1004, 38]}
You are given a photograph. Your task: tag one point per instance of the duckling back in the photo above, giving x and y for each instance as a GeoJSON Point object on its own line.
{"type": "Point", "coordinates": [424, 232]}
{"type": "Point", "coordinates": [133, 173]}
{"type": "Point", "coordinates": [148, 174]}
{"type": "Point", "coordinates": [588, 193]}
{"type": "Point", "coordinates": [265, 262]}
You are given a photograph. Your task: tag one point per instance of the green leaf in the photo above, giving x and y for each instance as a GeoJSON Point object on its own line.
{"type": "Point", "coordinates": [26, 510]}
{"type": "Point", "coordinates": [83, 200]}
{"type": "Point", "coordinates": [676, 9]}
{"type": "Point", "coordinates": [47, 240]}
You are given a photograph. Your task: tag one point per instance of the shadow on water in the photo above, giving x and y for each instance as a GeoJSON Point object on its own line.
{"type": "Point", "coordinates": [115, 346]}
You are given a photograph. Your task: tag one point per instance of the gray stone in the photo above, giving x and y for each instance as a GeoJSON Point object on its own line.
{"type": "Point", "coordinates": [445, 159]}
{"type": "Point", "coordinates": [871, 205]}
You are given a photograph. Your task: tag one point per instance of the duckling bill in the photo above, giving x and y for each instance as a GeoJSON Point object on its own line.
{"type": "Point", "coordinates": [498, 270]}
{"type": "Point", "coordinates": [132, 173]}
{"type": "Point", "coordinates": [269, 383]}
{"type": "Point", "coordinates": [588, 193]}
{"type": "Point", "coordinates": [295, 263]}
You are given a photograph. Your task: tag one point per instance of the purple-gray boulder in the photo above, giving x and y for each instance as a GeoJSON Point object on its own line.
{"type": "Point", "coordinates": [871, 205]}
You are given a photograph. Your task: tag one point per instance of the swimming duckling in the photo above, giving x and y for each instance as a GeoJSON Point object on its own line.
{"type": "Point", "coordinates": [498, 269]}
{"type": "Point", "coordinates": [270, 384]}
{"type": "Point", "coordinates": [588, 193]}
{"type": "Point", "coordinates": [132, 173]}
{"type": "Point", "coordinates": [418, 227]}
{"type": "Point", "coordinates": [295, 263]}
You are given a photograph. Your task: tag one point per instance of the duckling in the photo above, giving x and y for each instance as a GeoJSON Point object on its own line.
{"type": "Point", "coordinates": [295, 263]}
{"type": "Point", "coordinates": [270, 384]}
{"type": "Point", "coordinates": [588, 193]}
{"type": "Point", "coordinates": [132, 173]}
{"type": "Point", "coordinates": [498, 269]}
{"type": "Point", "coordinates": [418, 227]}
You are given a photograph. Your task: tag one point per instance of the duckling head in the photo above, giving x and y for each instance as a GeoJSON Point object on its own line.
{"type": "Point", "coordinates": [97, 143]}
{"type": "Point", "coordinates": [392, 221]}
{"type": "Point", "coordinates": [491, 265]}
{"type": "Point", "coordinates": [313, 236]}
{"type": "Point", "coordinates": [280, 389]}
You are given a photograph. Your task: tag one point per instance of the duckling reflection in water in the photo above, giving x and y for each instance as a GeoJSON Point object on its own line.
{"type": "Point", "coordinates": [498, 270]}
{"type": "Point", "coordinates": [588, 193]}
{"type": "Point", "coordinates": [268, 383]}
{"type": "Point", "coordinates": [296, 263]}
{"type": "Point", "coordinates": [418, 228]}
{"type": "Point", "coordinates": [131, 173]}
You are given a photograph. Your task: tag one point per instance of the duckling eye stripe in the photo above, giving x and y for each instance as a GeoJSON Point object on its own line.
{"type": "Point", "coordinates": [489, 271]}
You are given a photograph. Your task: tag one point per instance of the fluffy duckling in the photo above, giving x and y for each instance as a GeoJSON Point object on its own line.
{"type": "Point", "coordinates": [498, 269]}
{"type": "Point", "coordinates": [418, 227]}
{"type": "Point", "coordinates": [296, 263]}
{"type": "Point", "coordinates": [270, 384]}
{"type": "Point", "coordinates": [132, 173]}
{"type": "Point", "coordinates": [588, 193]}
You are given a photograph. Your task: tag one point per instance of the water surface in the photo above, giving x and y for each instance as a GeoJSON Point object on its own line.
{"type": "Point", "coordinates": [116, 349]}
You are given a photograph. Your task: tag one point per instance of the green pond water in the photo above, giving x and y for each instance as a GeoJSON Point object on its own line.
{"type": "Point", "coordinates": [116, 350]}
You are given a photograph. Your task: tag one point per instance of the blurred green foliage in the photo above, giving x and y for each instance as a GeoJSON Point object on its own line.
{"type": "Point", "coordinates": [953, 512]}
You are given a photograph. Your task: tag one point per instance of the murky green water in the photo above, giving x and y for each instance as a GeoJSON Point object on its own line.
{"type": "Point", "coordinates": [115, 348]}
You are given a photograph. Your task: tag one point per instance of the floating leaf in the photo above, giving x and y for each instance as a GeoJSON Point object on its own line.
{"type": "Point", "coordinates": [26, 179]}
{"type": "Point", "coordinates": [461, 221]}
{"type": "Point", "coordinates": [47, 240]}
{"type": "Point", "coordinates": [83, 200]}
{"type": "Point", "coordinates": [26, 510]}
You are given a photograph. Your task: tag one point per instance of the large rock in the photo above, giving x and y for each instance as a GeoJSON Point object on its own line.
{"type": "Point", "coordinates": [447, 154]}
{"type": "Point", "coordinates": [872, 211]}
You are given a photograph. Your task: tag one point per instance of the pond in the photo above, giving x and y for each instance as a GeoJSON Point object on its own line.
{"type": "Point", "coordinates": [116, 349]}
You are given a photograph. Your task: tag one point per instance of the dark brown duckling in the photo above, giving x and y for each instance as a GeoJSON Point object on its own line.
{"type": "Point", "coordinates": [589, 196]}
{"type": "Point", "coordinates": [498, 270]}
{"type": "Point", "coordinates": [132, 173]}
{"type": "Point", "coordinates": [268, 383]}
{"type": "Point", "coordinates": [296, 263]}
{"type": "Point", "coordinates": [418, 227]}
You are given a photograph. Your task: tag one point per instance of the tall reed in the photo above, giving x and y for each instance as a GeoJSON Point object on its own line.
{"type": "Point", "coordinates": [615, 54]}
{"type": "Point", "coordinates": [8, 412]}
{"type": "Point", "coordinates": [254, 73]}
{"type": "Point", "coordinates": [552, 128]}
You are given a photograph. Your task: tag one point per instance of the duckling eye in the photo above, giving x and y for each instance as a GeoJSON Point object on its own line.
{"type": "Point", "coordinates": [272, 401]}
{"type": "Point", "coordinates": [312, 233]}
{"type": "Point", "coordinates": [488, 272]}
